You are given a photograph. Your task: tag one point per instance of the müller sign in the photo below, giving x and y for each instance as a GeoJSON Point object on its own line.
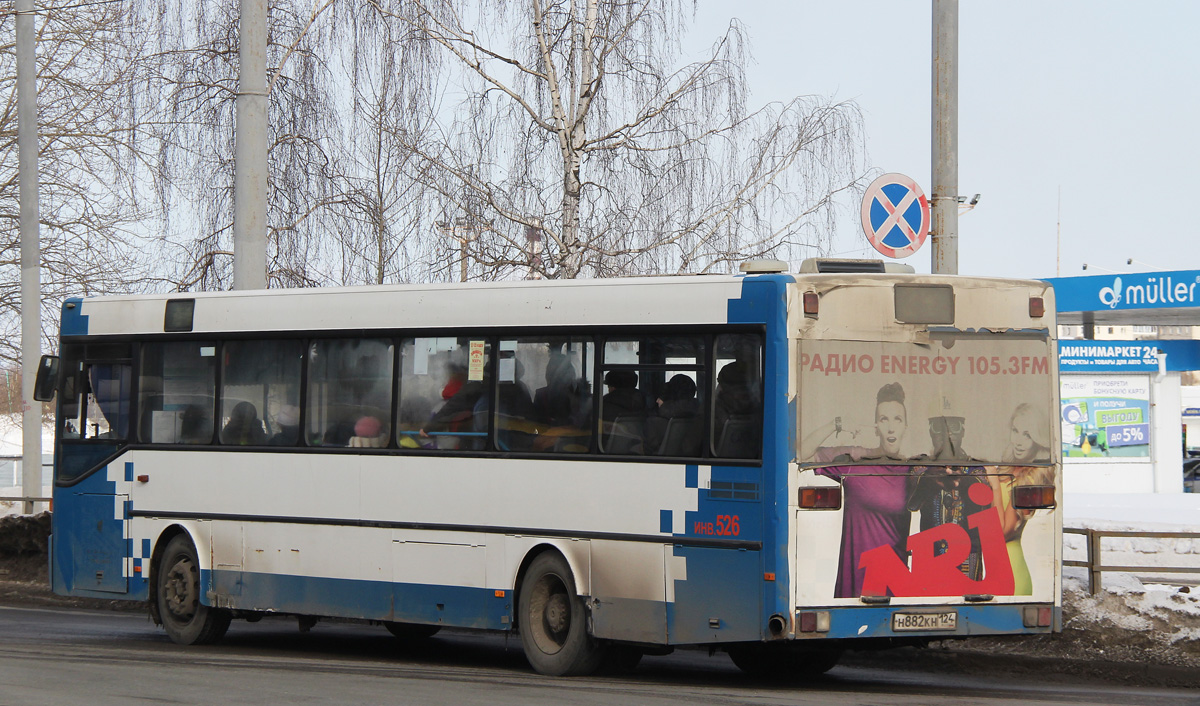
{"type": "Point", "coordinates": [1155, 290]}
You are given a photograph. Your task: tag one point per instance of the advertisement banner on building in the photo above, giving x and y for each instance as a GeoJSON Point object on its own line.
{"type": "Point", "coordinates": [1106, 416]}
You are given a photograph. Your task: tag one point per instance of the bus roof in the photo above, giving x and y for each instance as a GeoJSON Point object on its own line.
{"type": "Point", "coordinates": [658, 300]}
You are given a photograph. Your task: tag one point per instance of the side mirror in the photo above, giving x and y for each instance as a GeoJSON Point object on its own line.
{"type": "Point", "coordinates": [47, 379]}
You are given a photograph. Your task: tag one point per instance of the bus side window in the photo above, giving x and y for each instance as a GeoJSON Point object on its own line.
{"type": "Point", "coordinates": [654, 396]}
{"type": "Point", "coordinates": [349, 394]}
{"type": "Point", "coordinates": [545, 399]}
{"type": "Point", "coordinates": [107, 409]}
{"type": "Point", "coordinates": [260, 392]}
{"type": "Point", "coordinates": [738, 397]}
{"type": "Point", "coordinates": [176, 392]}
{"type": "Point", "coordinates": [444, 393]}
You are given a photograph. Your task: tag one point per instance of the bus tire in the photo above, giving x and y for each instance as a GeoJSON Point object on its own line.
{"type": "Point", "coordinates": [784, 662]}
{"type": "Point", "coordinates": [553, 620]}
{"type": "Point", "coordinates": [186, 620]}
{"type": "Point", "coordinates": [620, 659]}
{"type": "Point", "coordinates": [411, 631]}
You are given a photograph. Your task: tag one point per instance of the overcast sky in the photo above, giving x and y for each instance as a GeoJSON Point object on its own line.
{"type": "Point", "coordinates": [1099, 98]}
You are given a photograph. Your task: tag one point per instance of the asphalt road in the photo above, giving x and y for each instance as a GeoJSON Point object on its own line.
{"type": "Point", "coordinates": [51, 656]}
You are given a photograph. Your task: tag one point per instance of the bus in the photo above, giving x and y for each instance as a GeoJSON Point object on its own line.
{"type": "Point", "coordinates": [781, 465]}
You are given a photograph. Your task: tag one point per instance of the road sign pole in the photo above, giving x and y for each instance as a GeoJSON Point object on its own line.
{"type": "Point", "coordinates": [945, 137]}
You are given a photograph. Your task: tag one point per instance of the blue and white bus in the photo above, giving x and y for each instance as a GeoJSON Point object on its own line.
{"type": "Point", "coordinates": [780, 465]}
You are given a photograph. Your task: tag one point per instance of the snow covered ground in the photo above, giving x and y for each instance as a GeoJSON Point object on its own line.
{"type": "Point", "coordinates": [1166, 607]}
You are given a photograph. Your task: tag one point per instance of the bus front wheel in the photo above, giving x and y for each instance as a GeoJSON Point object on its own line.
{"type": "Point", "coordinates": [552, 620]}
{"type": "Point", "coordinates": [186, 620]}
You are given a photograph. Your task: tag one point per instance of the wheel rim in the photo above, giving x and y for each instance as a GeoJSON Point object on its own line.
{"type": "Point", "coordinates": [180, 590]}
{"type": "Point", "coordinates": [550, 613]}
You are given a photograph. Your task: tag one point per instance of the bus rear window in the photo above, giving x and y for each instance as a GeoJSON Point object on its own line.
{"type": "Point", "coordinates": [924, 303]}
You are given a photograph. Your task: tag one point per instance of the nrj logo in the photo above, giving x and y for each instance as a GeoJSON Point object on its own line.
{"type": "Point", "coordinates": [1111, 296]}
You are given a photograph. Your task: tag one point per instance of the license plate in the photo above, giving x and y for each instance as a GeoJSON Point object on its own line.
{"type": "Point", "coordinates": [902, 622]}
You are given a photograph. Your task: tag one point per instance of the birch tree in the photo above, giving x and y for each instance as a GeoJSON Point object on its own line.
{"type": "Point", "coordinates": [89, 161]}
{"type": "Point", "coordinates": [192, 92]}
{"type": "Point", "coordinates": [577, 129]}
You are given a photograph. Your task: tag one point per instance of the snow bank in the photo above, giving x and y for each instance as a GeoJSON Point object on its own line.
{"type": "Point", "coordinates": [1164, 613]}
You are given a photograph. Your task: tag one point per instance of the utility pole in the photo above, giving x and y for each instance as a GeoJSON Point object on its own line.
{"type": "Point", "coordinates": [250, 150]}
{"type": "Point", "coordinates": [945, 137]}
{"type": "Point", "coordinates": [31, 295]}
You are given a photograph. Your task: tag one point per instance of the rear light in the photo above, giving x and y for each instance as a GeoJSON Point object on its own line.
{"type": "Point", "coordinates": [813, 621]}
{"type": "Point", "coordinates": [812, 302]}
{"type": "Point", "coordinates": [1035, 616]}
{"type": "Point", "coordinates": [1033, 497]}
{"type": "Point", "coordinates": [824, 498]}
{"type": "Point", "coordinates": [1037, 307]}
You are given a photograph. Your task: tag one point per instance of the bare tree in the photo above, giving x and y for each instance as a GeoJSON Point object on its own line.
{"type": "Point", "coordinates": [192, 91]}
{"type": "Point", "coordinates": [382, 219]}
{"type": "Point", "coordinates": [546, 137]}
{"type": "Point", "coordinates": [574, 127]}
{"type": "Point", "coordinates": [89, 161]}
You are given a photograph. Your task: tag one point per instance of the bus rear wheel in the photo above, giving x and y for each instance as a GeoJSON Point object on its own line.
{"type": "Point", "coordinates": [553, 620]}
{"type": "Point", "coordinates": [186, 620]}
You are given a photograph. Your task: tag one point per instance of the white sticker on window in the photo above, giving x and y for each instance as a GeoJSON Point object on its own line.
{"type": "Point", "coordinates": [508, 369]}
{"type": "Point", "coordinates": [208, 351]}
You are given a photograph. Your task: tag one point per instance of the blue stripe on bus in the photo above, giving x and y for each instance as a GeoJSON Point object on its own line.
{"type": "Point", "coordinates": [455, 606]}
{"type": "Point", "coordinates": [727, 588]}
{"type": "Point", "coordinates": [89, 556]}
{"type": "Point", "coordinates": [764, 300]}
{"type": "Point", "coordinates": [74, 322]}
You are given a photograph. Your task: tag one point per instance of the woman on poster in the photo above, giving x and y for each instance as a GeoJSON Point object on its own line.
{"type": "Point", "coordinates": [1028, 443]}
{"type": "Point", "coordinates": [875, 511]}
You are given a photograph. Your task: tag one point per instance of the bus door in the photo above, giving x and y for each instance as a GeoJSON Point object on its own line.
{"type": "Point", "coordinates": [90, 521]}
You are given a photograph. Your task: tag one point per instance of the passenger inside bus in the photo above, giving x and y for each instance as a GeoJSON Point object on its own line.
{"type": "Point", "coordinates": [457, 413]}
{"type": "Point", "coordinates": [553, 402]}
{"type": "Point", "coordinates": [673, 429]}
{"type": "Point", "coordinates": [516, 423]}
{"type": "Point", "coordinates": [369, 433]}
{"type": "Point", "coordinates": [623, 410]}
{"type": "Point", "coordinates": [195, 425]}
{"type": "Point", "coordinates": [737, 423]}
{"type": "Point", "coordinates": [244, 427]}
{"type": "Point", "coordinates": [562, 408]}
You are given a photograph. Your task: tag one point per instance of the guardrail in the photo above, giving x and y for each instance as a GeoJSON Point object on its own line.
{"type": "Point", "coordinates": [1096, 567]}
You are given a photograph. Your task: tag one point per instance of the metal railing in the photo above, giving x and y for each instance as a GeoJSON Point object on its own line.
{"type": "Point", "coordinates": [1096, 567]}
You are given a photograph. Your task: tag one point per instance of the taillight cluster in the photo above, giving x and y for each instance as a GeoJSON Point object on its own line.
{"type": "Point", "coordinates": [1037, 616]}
{"type": "Point", "coordinates": [823, 498]}
{"type": "Point", "coordinates": [813, 621]}
{"type": "Point", "coordinates": [1033, 497]}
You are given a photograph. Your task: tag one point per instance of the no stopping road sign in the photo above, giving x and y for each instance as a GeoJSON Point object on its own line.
{"type": "Point", "coordinates": [895, 215]}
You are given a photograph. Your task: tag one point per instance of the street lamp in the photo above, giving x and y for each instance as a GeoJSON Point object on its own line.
{"type": "Point", "coordinates": [464, 229]}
